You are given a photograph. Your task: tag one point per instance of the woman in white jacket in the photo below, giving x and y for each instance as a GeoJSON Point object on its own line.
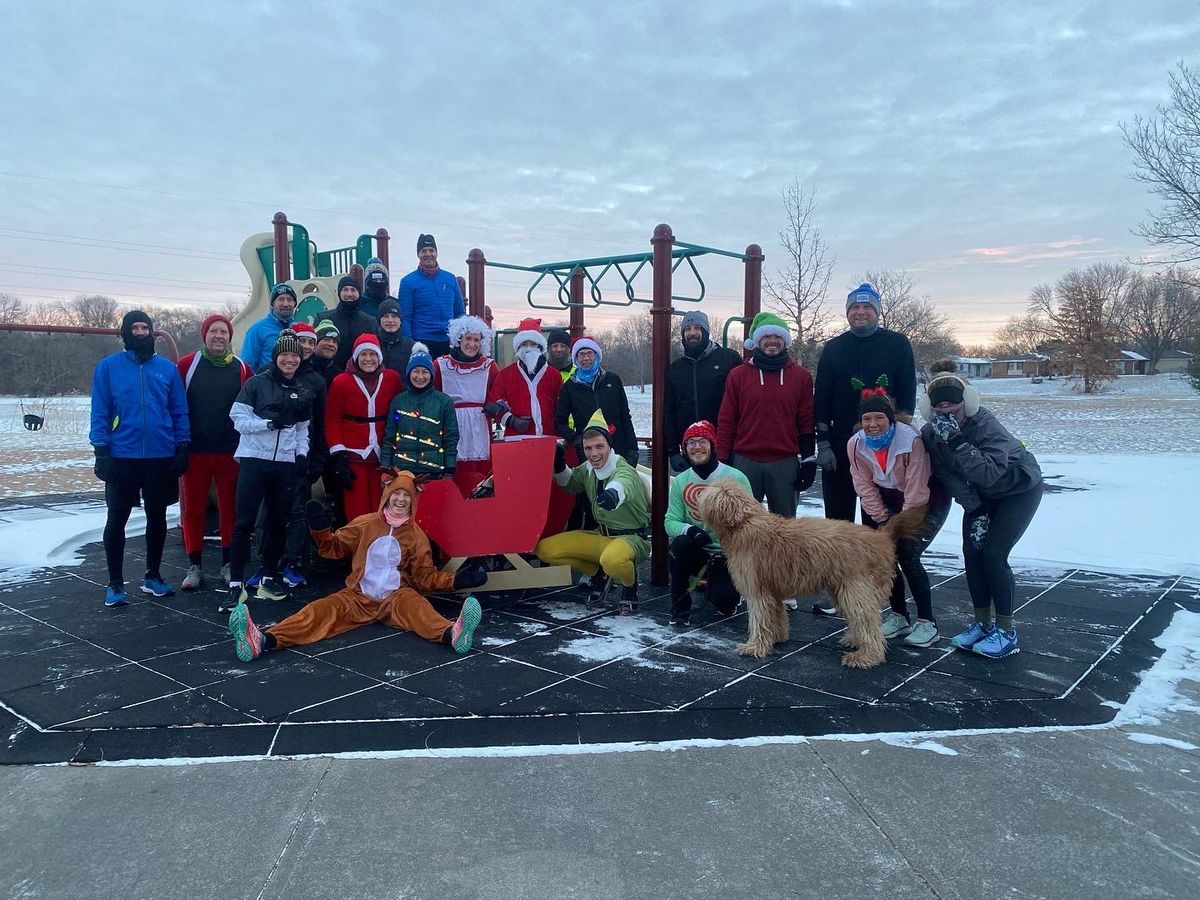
{"type": "Point", "coordinates": [271, 415]}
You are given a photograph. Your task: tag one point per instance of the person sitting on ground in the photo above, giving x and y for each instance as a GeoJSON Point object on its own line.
{"type": "Point", "coordinates": [999, 484]}
{"type": "Point", "coordinates": [422, 428]}
{"type": "Point", "coordinates": [890, 468]}
{"type": "Point", "coordinates": [467, 374]}
{"type": "Point", "coordinates": [693, 544]}
{"type": "Point", "coordinates": [391, 568]}
{"type": "Point", "coordinates": [592, 388]}
{"type": "Point", "coordinates": [212, 378]}
{"type": "Point", "coordinates": [618, 496]}
{"type": "Point", "coordinates": [395, 345]}
{"type": "Point", "coordinates": [271, 415]}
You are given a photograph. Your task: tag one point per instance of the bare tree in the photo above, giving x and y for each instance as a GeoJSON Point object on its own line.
{"type": "Point", "coordinates": [976, 351]}
{"type": "Point", "coordinates": [798, 288]}
{"type": "Point", "coordinates": [12, 309]}
{"type": "Point", "coordinates": [914, 316]}
{"type": "Point", "coordinates": [92, 311]}
{"type": "Point", "coordinates": [1022, 334]}
{"type": "Point", "coordinates": [1166, 151]}
{"type": "Point", "coordinates": [629, 348]}
{"type": "Point", "coordinates": [1159, 313]}
{"type": "Point", "coordinates": [1083, 310]}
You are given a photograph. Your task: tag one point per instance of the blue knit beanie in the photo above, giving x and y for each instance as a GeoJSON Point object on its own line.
{"type": "Point", "coordinates": [864, 293]}
{"type": "Point", "coordinates": [418, 357]}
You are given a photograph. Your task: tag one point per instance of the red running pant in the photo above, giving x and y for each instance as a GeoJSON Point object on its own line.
{"type": "Point", "coordinates": [203, 470]}
{"type": "Point", "coordinates": [365, 495]}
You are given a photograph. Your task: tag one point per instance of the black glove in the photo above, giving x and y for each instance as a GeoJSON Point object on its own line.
{"type": "Point", "coordinates": [319, 518]}
{"type": "Point", "coordinates": [632, 459]}
{"type": "Point", "coordinates": [678, 462]}
{"type": "Point", "coordinates": [578, 445]}
{"type": "Point", "coordinates": [470, 574]}
{"type": "Point", "coordinates": [301, 466]}
{"type": "Point", "coordinates": [560, 458]}
{"type": "Point", "coordinates": [342, 471]}
{"type": "Point", "coordinates": [825, 458]}
{"type": "Point", "coordinates": [103, 465]}
{"type": "Point", "coordinates": [179, 462]}
{"type": "Point", "coordinates": [698, 536]}
{"type": "Point", "coordinates": [806, 475]}
{"type": "Point", "coordinates": [607, 499]}
{"type": "Point", "coordinates": [520, 423]}
{"type": "Point", "coordinates": [495, 409]}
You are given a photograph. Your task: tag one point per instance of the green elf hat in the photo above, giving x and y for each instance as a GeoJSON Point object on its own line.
{"type": "Point", "coordinates": [767, 323]}
{"type": "Point", "coordinates": [597, 425]}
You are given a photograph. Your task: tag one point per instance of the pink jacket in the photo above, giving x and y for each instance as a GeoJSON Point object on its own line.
{"type": "Point", "coordinates": [908, 471]}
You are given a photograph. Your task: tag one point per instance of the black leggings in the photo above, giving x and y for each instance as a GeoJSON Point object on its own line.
{"type": "Point", "coordinates": [271, 485]}
{"type": "Point", "coordinates": [837, 491]}
{"type": "Point", "coordinates": [147, 480]}
{"type": "Point", "coordinates": [685, 561]}
{"type": "Point", "coordinates": [989, 577]}
{"type": "Point", "coordinates": [908, 564]}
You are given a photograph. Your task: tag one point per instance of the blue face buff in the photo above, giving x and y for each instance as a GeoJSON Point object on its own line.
{"type": "Point", "coordinates": [588, 375]}
{"type": "Point", "coordinates": [881, 441]}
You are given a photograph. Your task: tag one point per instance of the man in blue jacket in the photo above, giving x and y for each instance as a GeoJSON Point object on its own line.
{"type": "Point", "coordinates": [429, 299]}
{"type": "Point", "coordinates": [260, 339]}
{"type": "Point", "coordinates": [140, 435]}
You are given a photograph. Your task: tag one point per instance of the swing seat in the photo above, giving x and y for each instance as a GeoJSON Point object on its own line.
{"type": "Point", "coordinates": [33, 423]}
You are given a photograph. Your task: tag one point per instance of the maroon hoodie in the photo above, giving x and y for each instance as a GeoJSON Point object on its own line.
{"type": "Point", "coordinates": [765, 415]}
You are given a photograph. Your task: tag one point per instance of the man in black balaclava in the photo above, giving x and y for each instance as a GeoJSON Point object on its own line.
{"type": "Point", "coordinates": [375, 287]}
{"type": "Point", "coordinates": [349, 318]}
{"type": "Point", "coordinates": [140, 435]}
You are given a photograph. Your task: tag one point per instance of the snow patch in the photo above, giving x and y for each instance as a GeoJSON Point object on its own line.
{"type": "Point", "coordinates": [911, 742]}
{"type": "Point", "coordinates": [1139, 737]}
{"type": "Point", "coordinates": [1157, 693]}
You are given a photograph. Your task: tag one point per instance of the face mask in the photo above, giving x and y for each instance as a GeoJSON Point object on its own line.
{"type": "Point", "coordinates": [529, 356]}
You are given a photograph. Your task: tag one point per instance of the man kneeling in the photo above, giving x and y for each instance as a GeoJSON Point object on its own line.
{"type": "Point", "coordinates": [618, 500]}
{"type": "Point", "coordinates": [391, 567]}
{"type": "Point", "coordinates": [692, 545]}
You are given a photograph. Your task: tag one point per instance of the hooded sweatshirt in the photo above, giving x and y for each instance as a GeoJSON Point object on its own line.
{"type": "Point", "coordinates": [767, 415]}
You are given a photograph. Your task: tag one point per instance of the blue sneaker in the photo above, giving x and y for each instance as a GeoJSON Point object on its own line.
{"type": "Point", "coordinates": [114, 595]}
{"type": "Point", "coordinates": [293, 577]}
{"type": "Point", "coordinates": [156, 587]}
{"type": "Point", "coordinates": [965, 640]}
{"type": "Point", "coordinates": [255, 580]}
{"type": "Point", "coordinates": [998, 644]}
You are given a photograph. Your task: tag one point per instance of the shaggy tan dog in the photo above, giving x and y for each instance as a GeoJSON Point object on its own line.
{"type": "Point", "coordinates": [772, 558]}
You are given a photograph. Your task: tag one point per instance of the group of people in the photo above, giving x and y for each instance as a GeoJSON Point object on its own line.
{"type": "Point", "coordinates": [382, 393]}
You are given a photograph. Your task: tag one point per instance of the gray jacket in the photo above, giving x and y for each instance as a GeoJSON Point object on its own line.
{"type": "Point", "coordinates": [989, 463]}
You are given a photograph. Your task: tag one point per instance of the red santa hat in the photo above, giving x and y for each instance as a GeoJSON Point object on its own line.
{"type": "Point", "coordinates": [366, 342]}
{"type": "Point", "coordinates": [530, 330]}
{"type": "Point", "coordinates": [702, 429]}
{"type": "Point", "coordinates": [304, 330]}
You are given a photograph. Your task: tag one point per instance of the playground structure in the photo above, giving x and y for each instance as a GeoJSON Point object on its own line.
{"type": "Point", "coordinates": [287, 254]}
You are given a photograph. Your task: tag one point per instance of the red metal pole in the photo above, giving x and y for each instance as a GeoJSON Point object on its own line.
{"type": "Point", "coordinates": [660, 357]}
{"type": "Point", "coordinates": [753, 297]}
{"type": "Point", "coordinates": [283, 267]}
{"type": "Point", "coordinates": [87, 329]}
{"type": "Point", "coordinates": [475, 266]}
{"type": "Point", "coordinates": [381, 247]}
{"type": "Point", "coordinates": [577, 324]}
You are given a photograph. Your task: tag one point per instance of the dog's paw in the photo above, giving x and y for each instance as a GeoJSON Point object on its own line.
{"type": "Point", "coordinates": [860, 659]}
{"type": "Point", "coordinates": [846, 641]}
{"type": "Point", "coordinates": [755, 649]}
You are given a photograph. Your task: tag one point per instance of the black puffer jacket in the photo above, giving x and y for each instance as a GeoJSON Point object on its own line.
{"type": "Point", "coordinates": [351, 324]}
{"type": "Point", "coordinates": [577, 401]}
{"type": "Point", "coordinates": [695, 388]}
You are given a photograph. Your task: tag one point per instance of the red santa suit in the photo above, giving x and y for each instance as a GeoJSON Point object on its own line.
{"type": "Point", "coordinates": [533, 397]}
{"type": "Point", "coordinates": [355, 416]}
{"type": "Point", "coordinates": [468, 382]}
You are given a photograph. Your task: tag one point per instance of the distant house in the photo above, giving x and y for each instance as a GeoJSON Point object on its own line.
{"type": "Point", "coordinates": [1128, 362]}
{"type": "Point", "coordinates": [1176, 361]}
{"type": "Point", "coordinates": [1021, 365]}
{"type": "Point", "coordinates": [973, 367]}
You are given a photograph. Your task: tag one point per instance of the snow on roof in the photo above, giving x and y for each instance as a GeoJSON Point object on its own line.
{"type": "Point", "coordinates": [972, 361]}
{"type": "Point", "coordinates": [1133, 354]}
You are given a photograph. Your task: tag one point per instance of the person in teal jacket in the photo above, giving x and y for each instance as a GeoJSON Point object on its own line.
{"type": "Point", "coordinates": [260, 339]}
{"type": "Point", "coordinates": [422, 428]}
{"type": "Point", "coordinates": [693, 545]}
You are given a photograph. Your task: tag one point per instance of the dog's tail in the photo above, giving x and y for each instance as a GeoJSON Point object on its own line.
{"type": "Point", "coordinates": [906, 525]}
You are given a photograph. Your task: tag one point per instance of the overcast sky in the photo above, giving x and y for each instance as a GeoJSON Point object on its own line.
{"type": "Point", "coordinates": [976, 145]}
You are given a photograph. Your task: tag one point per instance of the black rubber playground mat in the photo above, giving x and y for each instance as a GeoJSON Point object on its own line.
{"type": "Point", "coordinates": [159, 679]}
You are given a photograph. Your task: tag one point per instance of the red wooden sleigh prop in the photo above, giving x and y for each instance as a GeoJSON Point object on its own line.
{"type": "Point", "coordinates": [508, 523]}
